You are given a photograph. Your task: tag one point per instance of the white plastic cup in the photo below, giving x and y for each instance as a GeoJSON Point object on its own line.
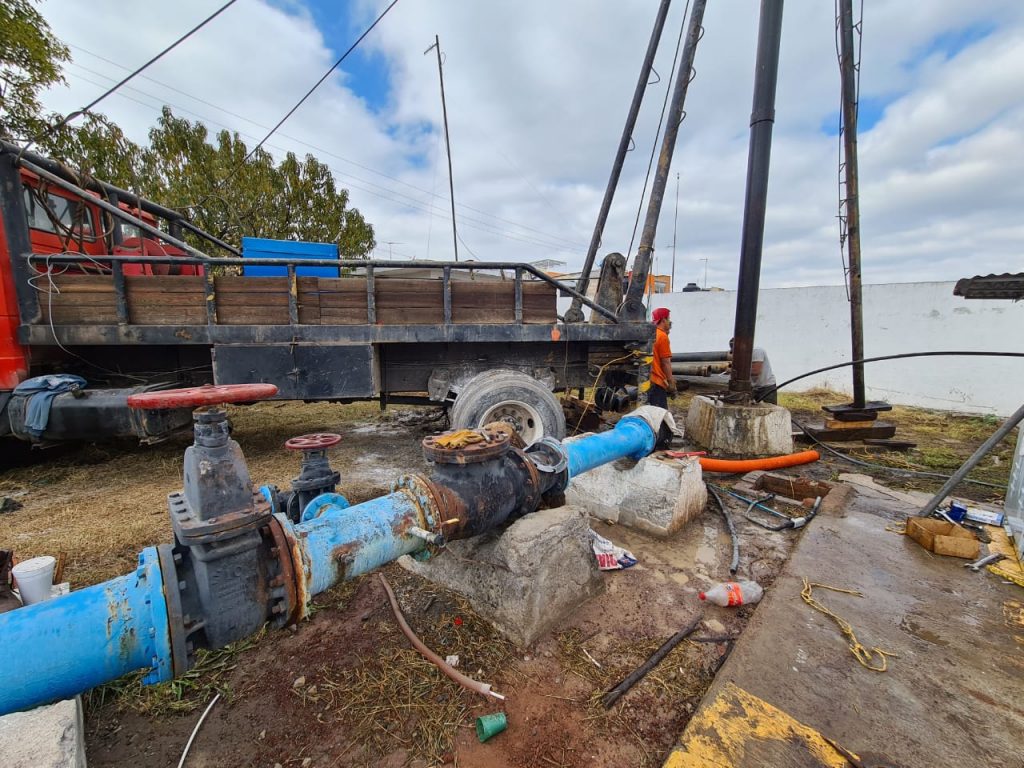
{"type": "Point", "coordinates": [35, 578]}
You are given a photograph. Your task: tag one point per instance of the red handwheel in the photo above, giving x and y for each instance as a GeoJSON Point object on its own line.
{"type": "Point", "coordinates": [315, 442]}
{"type": "Point", "coordinates": [208, 394]}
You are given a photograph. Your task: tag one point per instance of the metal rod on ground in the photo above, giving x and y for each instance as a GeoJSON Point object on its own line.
{"type": "Point", "coordinates": [758, 164]}
{"type": "Point", "coordinates": [633, 307]}
{"type": "Point", "coordinates": [447, 141]}
{"type": "Point", "coordinates": [575, 314]}
{"type": "Point", "coordinates": [735, 564]}
{"type": "Point", "coordinates": [849, 91]}
{"type": "Point", "coordinates": [1005, 428]}
{"type": "Point", "coordinates": [636, 675]}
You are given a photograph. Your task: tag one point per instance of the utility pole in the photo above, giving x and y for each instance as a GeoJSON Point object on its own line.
{"type": "Point", "coordinates": [447, 141]}
{"type": "Point", "coordinates": [859, 419]}
{"type": "Point", "coordinates": [675, 229]}
{"type": "Point", "coordinates": [849, 90]}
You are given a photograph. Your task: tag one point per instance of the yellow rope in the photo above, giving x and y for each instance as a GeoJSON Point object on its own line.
{"type": "Point", "coordinates": [866, 656]}
{"type": "Point", "coordinates": [597, 379]}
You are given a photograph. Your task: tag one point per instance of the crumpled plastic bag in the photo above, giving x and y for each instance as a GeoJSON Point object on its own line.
{"type": "Point", "coordinates": [609, 556]}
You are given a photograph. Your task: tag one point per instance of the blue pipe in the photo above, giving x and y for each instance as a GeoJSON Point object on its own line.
{"type": "Point", "coordinates": [62, 647]}
{"type": "Point", "coordinates": [632, 438]}
{"type": "Point", "coordinates": [343, 542]}
{"type": "Point", "coordinates": [56, 649]}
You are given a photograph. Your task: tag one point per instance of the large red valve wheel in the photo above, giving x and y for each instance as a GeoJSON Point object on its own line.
{"type": "Point", "coordinates": [315, 442]}
{"type": "Point", "coordinates": [208, 394]}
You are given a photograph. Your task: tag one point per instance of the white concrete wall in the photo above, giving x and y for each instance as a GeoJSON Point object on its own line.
{"type": "Point", "coordinates": [807, 328]}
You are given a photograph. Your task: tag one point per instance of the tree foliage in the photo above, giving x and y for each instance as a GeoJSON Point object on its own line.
{"type": "Point", "coordinates": [30, 60]}
{"type": "Point", "coordinates": [211, 181]}
{"type": "Point", "coordinates": [182, 167]}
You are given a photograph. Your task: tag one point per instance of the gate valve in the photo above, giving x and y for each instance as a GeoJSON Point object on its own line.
{"type": "Point", "coordinates": [316, 476]}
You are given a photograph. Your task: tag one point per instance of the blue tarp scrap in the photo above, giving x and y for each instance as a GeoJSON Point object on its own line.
{"type": "Point", "coordinates": [42, 390]}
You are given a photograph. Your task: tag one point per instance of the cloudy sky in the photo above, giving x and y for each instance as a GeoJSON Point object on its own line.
{"type": "Point", "coordinates": [537, 96]}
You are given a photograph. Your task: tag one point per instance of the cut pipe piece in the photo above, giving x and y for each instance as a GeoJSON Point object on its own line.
{"type": "Point", "coordinates": [750, 465]}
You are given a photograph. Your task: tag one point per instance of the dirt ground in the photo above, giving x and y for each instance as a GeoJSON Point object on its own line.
{"type": "Point", "coordinates": [345, 688]}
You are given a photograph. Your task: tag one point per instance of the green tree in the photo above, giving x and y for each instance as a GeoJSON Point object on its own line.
{"type": "Point", "coordinates": [230, 197]}
{"type": "Point", "coordinates": [30, 60]}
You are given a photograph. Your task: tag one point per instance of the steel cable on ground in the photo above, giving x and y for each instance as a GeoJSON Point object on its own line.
{"type": "Point", "coordinates": [902, 355]}
{"type": "Point", "coordinates": [65, 120]}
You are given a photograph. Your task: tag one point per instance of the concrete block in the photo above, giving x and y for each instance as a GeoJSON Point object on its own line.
{"type": "Point", "coordinates": [525, 579]}
{"type": "Point", "coordinates": [654, 495]}
{"type": "Point", "coordinates": [45, 737]}
{"type": "Point", "coordinates": [739, 430]}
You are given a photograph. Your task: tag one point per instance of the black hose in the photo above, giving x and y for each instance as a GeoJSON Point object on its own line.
{"type": "Point", "coordinates": [762, 395]}
{"type": "Point", "coordinates": [734, 566]}
{"type": "Point", "coordinates": [896, 470]}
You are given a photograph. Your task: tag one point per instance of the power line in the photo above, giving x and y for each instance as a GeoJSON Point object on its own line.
{"type": "Point", "coordinates": [385, 193]}
{"type": "Point", "coordinates": [432, 193]}
{"type": "Point", "coordinates": [309, 93]}
{"type": "Point", "coordinates": [65, 120]}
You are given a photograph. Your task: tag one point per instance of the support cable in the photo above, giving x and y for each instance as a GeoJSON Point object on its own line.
{"type": "Point", "coordinates": [308, 93]}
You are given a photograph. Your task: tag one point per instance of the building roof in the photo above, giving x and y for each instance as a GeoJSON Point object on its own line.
{"type": "Point", "coordinates": [1005, 286]}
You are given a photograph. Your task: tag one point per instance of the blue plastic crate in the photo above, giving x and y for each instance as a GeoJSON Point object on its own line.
{"type": "Point", "coordinates": [262, 248]}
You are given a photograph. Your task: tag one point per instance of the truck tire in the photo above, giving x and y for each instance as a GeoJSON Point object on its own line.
{"type": "Point", "coordinates": [513, 397]}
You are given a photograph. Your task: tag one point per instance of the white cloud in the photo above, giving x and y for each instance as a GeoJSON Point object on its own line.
{"type": "Point", "coordinates": [537, 94]}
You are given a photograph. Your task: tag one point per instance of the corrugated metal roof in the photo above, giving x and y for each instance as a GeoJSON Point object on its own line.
{"type": "Point", "coordinates": [1005, 286]}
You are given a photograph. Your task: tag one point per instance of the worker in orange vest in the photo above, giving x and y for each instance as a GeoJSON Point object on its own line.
{"type": "Point", "coordinates": [663, 383]}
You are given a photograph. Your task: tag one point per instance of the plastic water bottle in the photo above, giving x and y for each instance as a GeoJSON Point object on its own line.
{"type": "Point", "coordinates": [733, 593]}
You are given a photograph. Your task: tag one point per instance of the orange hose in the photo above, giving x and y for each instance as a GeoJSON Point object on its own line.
{"type": "Point", "coordinates": [749, 465]}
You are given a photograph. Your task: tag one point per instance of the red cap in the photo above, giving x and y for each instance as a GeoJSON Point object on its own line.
{"type": "Point", "coordinates": [701, 596]}
{"type": "Point", "coordinates": [659, 314]}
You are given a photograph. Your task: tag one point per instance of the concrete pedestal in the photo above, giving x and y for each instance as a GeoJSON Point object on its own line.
{"type": "Point", "coordinates": [46, 737]}
{"type": "Point", "coordinates": [657, 496]}
{"type": "Point", "coordinates": [739, 430]}
{"type": "Point", "coordinates": [526, 579]}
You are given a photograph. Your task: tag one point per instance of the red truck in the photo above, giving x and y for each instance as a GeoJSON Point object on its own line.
{"type": "Point", "coordinates": [119, 290]}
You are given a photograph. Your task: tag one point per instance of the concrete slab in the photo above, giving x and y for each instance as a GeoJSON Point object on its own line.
{"type": "Point", "coordinates": [655, 495]}
{"type": "Point", "coordinates": [45, 737]}
{"type": "Point", "coordinates": [739, 430]}
{"type": "Point", "coordinates": [949, 698]}
{"type": "Point", "coordinates": [527, 578]}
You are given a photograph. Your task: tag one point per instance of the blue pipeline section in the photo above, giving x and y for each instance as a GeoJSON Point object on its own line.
{"type": "Point", "coordinates": [56, 649]}
{"type": "Point", "coordinates": [343, 541]}
{"type": "Point", "coordinates": [632, 438]}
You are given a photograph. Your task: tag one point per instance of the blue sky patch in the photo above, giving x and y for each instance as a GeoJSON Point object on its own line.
{"type": "Point", "coordinates": [366, 71]}
{"type": "Point", "coordinates": [869, 113]}
{"type": "Point", "coordinates": [953, 41]}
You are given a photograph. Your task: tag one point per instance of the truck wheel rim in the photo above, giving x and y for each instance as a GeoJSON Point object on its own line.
{"type": "Point", "coordinates": [524, 418]}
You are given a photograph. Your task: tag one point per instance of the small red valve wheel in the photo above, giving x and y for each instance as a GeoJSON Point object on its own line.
{"type": "Point", "coordinates": [318, 441]}
{"type": "Point", "coordinates": [208, 394]}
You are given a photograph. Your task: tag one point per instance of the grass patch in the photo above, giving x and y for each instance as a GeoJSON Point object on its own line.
{"type": "Point", "coordinates": [184, 694]}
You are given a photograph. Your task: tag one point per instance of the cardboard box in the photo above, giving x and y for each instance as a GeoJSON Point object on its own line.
{"type": "Point", "coordinates": [943, 538]}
